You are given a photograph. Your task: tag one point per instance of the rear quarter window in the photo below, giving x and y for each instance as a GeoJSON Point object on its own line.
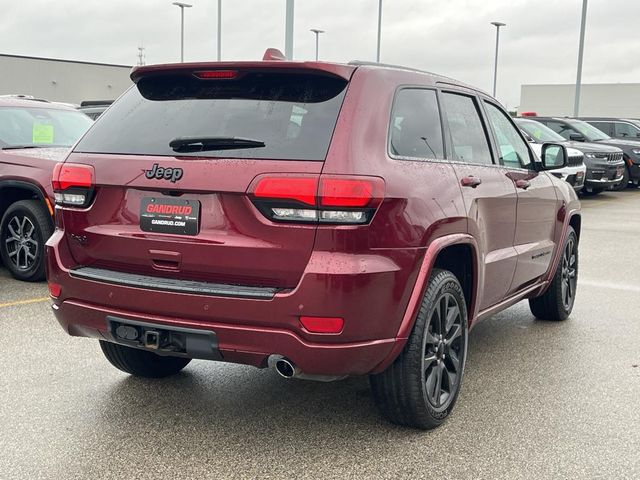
{"type": "Point", "coordinates": [416, 130]}
{"type": "Point", "coordinates": [293, 114]}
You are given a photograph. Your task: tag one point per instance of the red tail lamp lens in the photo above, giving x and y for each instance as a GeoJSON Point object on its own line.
{"type": "Point", "coordinates": [322, 324]}
{"type": "Point", "coordinates": [335, 192]}
{"type": "Point", "coordinates": [528, 114]}
{"type": "Point", "coordinates": [68, 175]}
{"type": "Point", "coordinates": [216, 74]}
{"type": "Point", "coordinates": [301, 189]}
{"type": "Point", "coordinates": [55, 290]}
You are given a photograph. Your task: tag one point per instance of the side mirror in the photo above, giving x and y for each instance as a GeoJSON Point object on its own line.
{"type": "Point", "coordinates": [576, 137]}
{"type": "Point", "coordinates": [554, 155]}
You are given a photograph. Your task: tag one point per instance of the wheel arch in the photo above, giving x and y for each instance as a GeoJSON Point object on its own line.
{"type": "Point", "coordinates": [12, 191]}
{"type": "Point", "coordinates": [448, 252]}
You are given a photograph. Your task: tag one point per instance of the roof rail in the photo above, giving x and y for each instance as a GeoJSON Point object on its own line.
{"type": "Point", "coordinates": [21, 96]}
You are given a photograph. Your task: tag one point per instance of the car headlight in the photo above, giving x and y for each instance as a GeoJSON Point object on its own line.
{"type": "Point", "coordinates": [636, 151]}
{"type": "Point", "coordinates": [589, 155]}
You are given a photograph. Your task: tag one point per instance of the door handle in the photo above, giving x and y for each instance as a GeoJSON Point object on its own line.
{"type": "Point", "coordinates": [523, 184]}
{"type": "Point", "coordinates": [471, 181]}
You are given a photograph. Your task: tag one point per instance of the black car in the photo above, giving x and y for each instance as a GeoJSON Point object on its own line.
{"type": "Point", "coordinates": [623, 128]}
{"type": "Point", "coordinates": [605, 167]}
{"type": "Point", "coordinates": [581, 131]}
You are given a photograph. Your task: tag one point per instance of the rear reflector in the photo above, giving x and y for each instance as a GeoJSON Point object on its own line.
{"type": "Point", "coordinates": [322, 324]}
{"type": "Point", "coordinates": [55, 290]}
{"type": "Point", "coordinates": [216, 74]}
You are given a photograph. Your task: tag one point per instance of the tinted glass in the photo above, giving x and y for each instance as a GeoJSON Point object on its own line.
{"type": "Point", "coordinates": [538, 131]}
{"type": "Point", "coordinates": [590, 132]}
{"type": "Point", "coordinates": [468, 137]}
{"type": "Point", "coordinates": [42, 127]}
{"type": "Point", "coordinates": [293, 114]}
{"type": "Point", "coordinates": [514, 151]}
{"type": "Point", "coordinates": [625, 130]}
{"type": "Point", "coordinates": [605, 127]}
{"type": "Point", "coordinates": [561, 128]}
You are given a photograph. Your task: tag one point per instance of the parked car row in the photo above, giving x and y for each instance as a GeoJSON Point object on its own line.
{"type": "Point", "coordinates": [612, 163]}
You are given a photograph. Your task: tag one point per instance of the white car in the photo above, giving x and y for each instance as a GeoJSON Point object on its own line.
{"type": "Point", "coordinates": [575, 171]}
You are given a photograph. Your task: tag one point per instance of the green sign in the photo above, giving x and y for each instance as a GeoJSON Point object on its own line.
{"type": "Point", "coordinates": [42, 133]}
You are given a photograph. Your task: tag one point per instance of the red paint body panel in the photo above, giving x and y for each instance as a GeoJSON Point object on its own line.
{"type": "Point", "coordinates": [373, 275]}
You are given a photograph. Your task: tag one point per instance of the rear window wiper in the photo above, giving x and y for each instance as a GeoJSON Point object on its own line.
{"type": "Point", "coordinates": [202, 144]}
{"type": "Point", "coordinates": [21, 147]}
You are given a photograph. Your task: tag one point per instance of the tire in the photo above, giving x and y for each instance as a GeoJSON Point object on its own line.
{"type": "Point", "coordinates": [142, 363]}
{"type": "Point", "coordinates": [553, 304]}
{"type": "Point", "coordinates": [29, 224]}
{"type": "Point", "coordinates": [624, 183]}
{"type": "Point", "coordinates": [405, 392]}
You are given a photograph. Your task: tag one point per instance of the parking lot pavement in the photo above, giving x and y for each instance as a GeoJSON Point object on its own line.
{"type": "Point", "coordinates": [539, 400]}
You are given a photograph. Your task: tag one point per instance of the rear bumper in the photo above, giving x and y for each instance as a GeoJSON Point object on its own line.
{"type": "Point", "coordinates": [371, 293]}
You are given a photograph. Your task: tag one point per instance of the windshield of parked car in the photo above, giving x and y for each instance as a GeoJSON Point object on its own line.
{"type": "Point", "coordinates": [590, 132]}
{"type": "Point", "coordinates": [539, 132]}
{"type": "Point", "coordinates": [287, 116]}
{"type": "Point", "coordinates": [29, 127]}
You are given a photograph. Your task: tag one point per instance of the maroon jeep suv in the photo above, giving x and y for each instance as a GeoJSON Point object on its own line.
{"type": "Point", "coordinates": [34, 136]}
{"type": "Point", "coordinates": [320, 219]}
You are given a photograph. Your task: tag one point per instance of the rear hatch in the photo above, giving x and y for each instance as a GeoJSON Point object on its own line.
{"type": "Point", "coordinates": [173, 161]}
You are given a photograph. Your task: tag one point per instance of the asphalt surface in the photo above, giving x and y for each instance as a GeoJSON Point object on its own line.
{"type": "Point", "coordinates": [540, 400]}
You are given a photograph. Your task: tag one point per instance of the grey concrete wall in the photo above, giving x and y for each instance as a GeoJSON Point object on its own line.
{"type": "Point", "coordinates": [606, 100]}
{"type": "Point", "coordinates": [62, 81]}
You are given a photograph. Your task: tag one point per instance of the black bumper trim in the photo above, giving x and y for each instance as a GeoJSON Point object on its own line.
{"type": "Point", "coordinates": [173, 285]}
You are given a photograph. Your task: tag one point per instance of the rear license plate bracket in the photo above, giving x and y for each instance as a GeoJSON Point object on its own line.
{"type": "Point", "coordinates": [170, 215]}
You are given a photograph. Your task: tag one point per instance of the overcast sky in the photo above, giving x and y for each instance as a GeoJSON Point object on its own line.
{"type": "Point", "coordinates": [454, 37]}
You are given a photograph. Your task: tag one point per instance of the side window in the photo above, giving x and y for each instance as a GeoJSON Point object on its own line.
{"type": "Point", "coordinates": [415, 129]}
{"type": "Point", "coordinates": [468, 137]}
{"type": "Point", "coordinates": [626, 130]}
{"type": "Point", "coordinates": [559, 127]}
{"type": "Point", "coordinates": [514, 151]}
{"type": "Point", "coordinates": [606, 127]}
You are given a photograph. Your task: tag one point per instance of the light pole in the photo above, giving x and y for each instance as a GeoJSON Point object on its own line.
{"type": "Point", "coordinates": [288, 35]}
{"type": "Point", "coordinates": [379, 30]}
{"type": "Point", "coordinates": [317, 33]}
{"type": "Point", "coordinates": [495, 65]}
{"type": "Point", "coordinates": [583, 25]}
{"type": "Point", "coordinates": [219, 30]}
{"type": "Point", "coordinates": [182, 7]}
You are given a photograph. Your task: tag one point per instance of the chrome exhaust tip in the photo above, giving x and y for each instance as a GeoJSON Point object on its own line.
{"type": "Point", "coordinates": [285, 368]}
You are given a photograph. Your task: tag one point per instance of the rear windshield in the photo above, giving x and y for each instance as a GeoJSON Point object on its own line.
{"type": "Point", "coordinates": [41, 127]}
{"type": "Point", "coordinates": [294, 115]}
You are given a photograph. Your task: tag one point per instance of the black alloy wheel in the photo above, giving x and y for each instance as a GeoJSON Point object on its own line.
{"type": "Point", "coordinates": [444, 345]}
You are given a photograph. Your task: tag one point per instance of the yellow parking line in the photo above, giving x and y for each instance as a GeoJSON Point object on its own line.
{"type": "Point", "coordinates": [24, 302]}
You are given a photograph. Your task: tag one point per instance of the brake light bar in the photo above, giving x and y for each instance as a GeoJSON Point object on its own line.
{"type": "Point", "coordinates": [73, 184]}
{"type": "Point", "coordinates": [216, 74]}
{"type": "Point", "coordinates": [317, 198]}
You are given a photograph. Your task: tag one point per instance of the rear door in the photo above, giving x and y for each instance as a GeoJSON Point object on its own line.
{"type": "Point", "coordinates": [537, 201]}
{"type": "Point", "coordinates": [489, 195]}
{"type": "Point", "coordinates": [176, 159]}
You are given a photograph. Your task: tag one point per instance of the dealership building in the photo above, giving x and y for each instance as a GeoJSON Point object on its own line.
{"type": "Point", "coordinates": [620, 100]}
{"type": "Point", "coordinates": [62, 80]}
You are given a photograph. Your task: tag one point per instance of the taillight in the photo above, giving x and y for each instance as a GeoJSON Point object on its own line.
{"type": "Point", "coordinates": [317, 199]}
{"type": "Point", "coordinates": [73, 184]}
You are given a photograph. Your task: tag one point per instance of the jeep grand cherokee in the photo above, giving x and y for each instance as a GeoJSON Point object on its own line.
{"type": "Point", "coordinates": [321, 219]}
